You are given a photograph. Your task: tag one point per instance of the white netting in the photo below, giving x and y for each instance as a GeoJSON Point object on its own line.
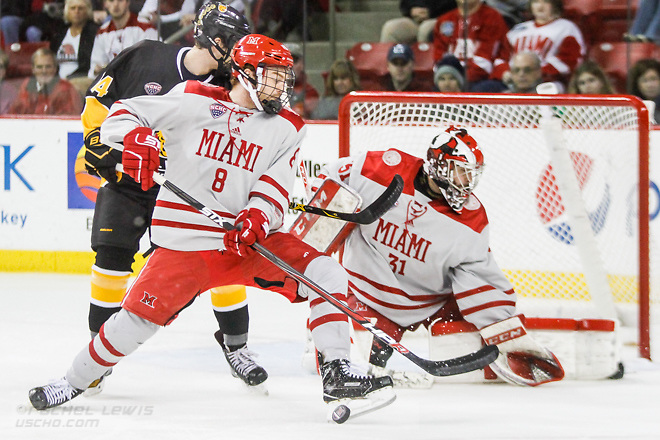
{"type": "Point", "coordinates": [531, 236]}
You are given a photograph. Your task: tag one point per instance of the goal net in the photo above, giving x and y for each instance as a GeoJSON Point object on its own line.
{"type": "Point", "coordinates": [560, 186]}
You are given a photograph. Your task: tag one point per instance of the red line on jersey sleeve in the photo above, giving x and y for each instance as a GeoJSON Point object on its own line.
{"type": "Point", "coordinates": [183, 207]}
{"type": "Point", "coordinates": [269, 199]}
{"type": "Point", "coordinates": [489, 305]}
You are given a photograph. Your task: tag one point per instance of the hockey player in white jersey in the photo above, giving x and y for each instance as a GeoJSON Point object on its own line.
{"type": "Point", "coordinates": [236, 152]}
{"type": "Point", "coordinates": [428, 258]}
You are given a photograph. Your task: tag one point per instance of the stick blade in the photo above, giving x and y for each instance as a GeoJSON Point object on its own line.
{"type": "Point", "coordinates": [464, 364]}
{"type": "Point", "coordinates": [384, 202]}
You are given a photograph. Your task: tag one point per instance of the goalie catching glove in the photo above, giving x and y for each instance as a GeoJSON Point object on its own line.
{"type": "Point", "coordinates": [252, 226]}
{"type": "Point", "coordinates": [522, 361]}
{"type": "Point", "coordinates": [141, 156]}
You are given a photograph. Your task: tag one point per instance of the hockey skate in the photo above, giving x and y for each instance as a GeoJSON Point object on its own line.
{"type": "Point", "coordinates": [52, 395]}
{"type": "Point", "coordinates": [96, 387]}
{"type": "Point", "coordinates": [242, 364]}
{"type": "Point", "coordinates": [349, 394]}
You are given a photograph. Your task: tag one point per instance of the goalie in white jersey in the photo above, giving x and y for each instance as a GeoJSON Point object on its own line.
{"type": "Point", "coordinates": [428, 258]}
{"type": "Point", "coordinates": [236, 152]}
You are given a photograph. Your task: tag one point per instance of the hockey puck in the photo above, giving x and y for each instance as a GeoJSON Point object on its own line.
{"type": "Point", "coordinates": [341, 414]}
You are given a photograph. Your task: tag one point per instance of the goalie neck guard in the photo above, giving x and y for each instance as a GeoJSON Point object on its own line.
{"type": "Point", "coordinates": [271, 85]}
{"type": "Point", "coordinates": [454, 162]}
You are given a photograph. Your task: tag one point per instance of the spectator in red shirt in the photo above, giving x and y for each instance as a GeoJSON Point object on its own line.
{"type": "Point", "coordinates": [478, 48]}
{"type": "Point", "coordinates": [44, 93]}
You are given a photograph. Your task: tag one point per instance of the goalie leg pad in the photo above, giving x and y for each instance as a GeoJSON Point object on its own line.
{"type": "Point", "coordinates": [522, 361]}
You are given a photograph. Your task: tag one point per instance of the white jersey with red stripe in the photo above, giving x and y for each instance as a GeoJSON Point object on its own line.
{"type": "Point", "coordinates": [559, 44]}
{"type": "Point", "coordinates": [229, 159]}
{"type": "Point", "coordinates": [408, 263]}
{"type": "Point", "coordinates": [109, 40]}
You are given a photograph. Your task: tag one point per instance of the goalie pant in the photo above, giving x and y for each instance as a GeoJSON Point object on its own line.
{"type": "Point", "coordinates": [421, 253]}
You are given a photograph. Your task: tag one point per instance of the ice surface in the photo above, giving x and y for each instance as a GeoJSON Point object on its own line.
{"type": "Point", "coordinates": [178, 385]}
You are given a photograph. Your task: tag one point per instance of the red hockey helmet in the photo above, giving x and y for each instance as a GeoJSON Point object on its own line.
{"type": "Point", "coordinates": [455, 162]}
{"type": "Point", "coordinates": [273, 65]}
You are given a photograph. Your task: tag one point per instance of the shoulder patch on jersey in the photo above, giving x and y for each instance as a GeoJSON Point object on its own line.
{"type": "Point", "coordinates": [208, 90]}
{"type": "Point", "coordinates": [152, 88]}
{"type": "Point", "coordinates": [392, 158]}
{"type": "Point", "coordinates": [376, 168]}
{"type": "Point", "coordinates": [292, 117]}
{"type": "Point", "coordinates": [473, 217]}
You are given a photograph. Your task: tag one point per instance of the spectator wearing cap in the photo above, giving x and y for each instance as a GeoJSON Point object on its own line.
{"type": "Point", "coordinates": [400, 67]}
{"type": "Point", "coordinates": [305, 97]}
{"type": "Point", "coordinates": [449, 75]}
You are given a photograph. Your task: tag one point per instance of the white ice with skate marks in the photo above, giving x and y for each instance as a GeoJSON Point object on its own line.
{"type": "Point", "coordinates": [178, 385]}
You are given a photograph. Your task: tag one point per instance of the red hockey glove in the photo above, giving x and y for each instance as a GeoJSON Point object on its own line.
{"type": "Point", "coordinates": [141, 155]}
{"type": "Point", "coordinates": [251, 227]}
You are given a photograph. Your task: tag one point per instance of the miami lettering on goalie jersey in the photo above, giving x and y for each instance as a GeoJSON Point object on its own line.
{"type": "Point", "coordinates": [407, 263]}
{"type": "Point", "coordinates": [234, 158]}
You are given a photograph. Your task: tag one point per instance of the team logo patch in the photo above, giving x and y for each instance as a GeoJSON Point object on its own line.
{"type": "Point", "coordinates": [472, 203]}
{"type": "Point", "coordinates": [415, 211]}
{"type": "Point", "coordinates": [592, 180]}
{"type": "Point", "coordinates": [253, 40]}
{"type": "Point", "coordinates": [217, 110]}
{"type": "Point", "coordinates": [391, 158]}
{"type": "Point", "coordinates": [148, 300]}
{"type": "Point", "coordinates": [152, 88]}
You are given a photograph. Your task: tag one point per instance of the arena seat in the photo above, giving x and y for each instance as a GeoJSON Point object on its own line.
{"type": "Point", "coordinates": [370, 59]}
{"type": "Point", "coordinates": [617, 57]}
{"type": "Point", "coordinates": [20, 58]}
{"type": "Point", "coordinates": [617, 8]}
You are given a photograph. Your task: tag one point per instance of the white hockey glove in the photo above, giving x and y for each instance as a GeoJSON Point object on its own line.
{"type": "Point", "coordinates": [522, 361]}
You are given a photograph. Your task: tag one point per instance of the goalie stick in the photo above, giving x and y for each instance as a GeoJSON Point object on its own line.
{"type": "Point", "coordinates": [366, 216]}
{"type": "Point", "coordinates": [449, 367]}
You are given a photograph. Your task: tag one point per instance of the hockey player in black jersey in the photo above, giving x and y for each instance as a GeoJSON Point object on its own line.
{"type": "Point", "coordinates": [123, 210]}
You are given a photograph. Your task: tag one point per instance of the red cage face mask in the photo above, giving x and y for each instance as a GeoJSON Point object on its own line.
{"type": "Point", "coordinates": [455, 163]}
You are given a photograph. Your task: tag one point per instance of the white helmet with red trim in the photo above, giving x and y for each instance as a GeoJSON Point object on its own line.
{"type": "Point", "coordinates": [272, 64]}
{"type": "Point", "coordinates": [455, 162]}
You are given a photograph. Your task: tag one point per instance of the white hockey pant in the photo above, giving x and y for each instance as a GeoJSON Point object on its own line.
{"type": "Point", "coordinates": [120, 336]}
{"type": "Point", "coordinates": [330, 327]}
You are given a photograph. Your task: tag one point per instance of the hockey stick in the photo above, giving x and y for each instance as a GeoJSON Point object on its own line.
{"type": "Point", "coordinates": [464, 364]}
{"type": "Point", "coordinates": [366, 216]}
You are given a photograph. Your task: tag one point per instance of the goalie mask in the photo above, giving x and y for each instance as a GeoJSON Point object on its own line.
{"type": "Point", "coordinates": [273, 66]}
{"type": "Point", "coordinates": [217, 20]}
{"type": "Point", "coordinates": [454, 162]}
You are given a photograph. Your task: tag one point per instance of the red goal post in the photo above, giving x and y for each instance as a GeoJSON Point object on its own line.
{"type": "Point", "coordinates": [535, 227]}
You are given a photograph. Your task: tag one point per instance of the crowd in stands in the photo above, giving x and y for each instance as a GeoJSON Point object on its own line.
{"type": "Point", "coordinates": [495, 46]}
